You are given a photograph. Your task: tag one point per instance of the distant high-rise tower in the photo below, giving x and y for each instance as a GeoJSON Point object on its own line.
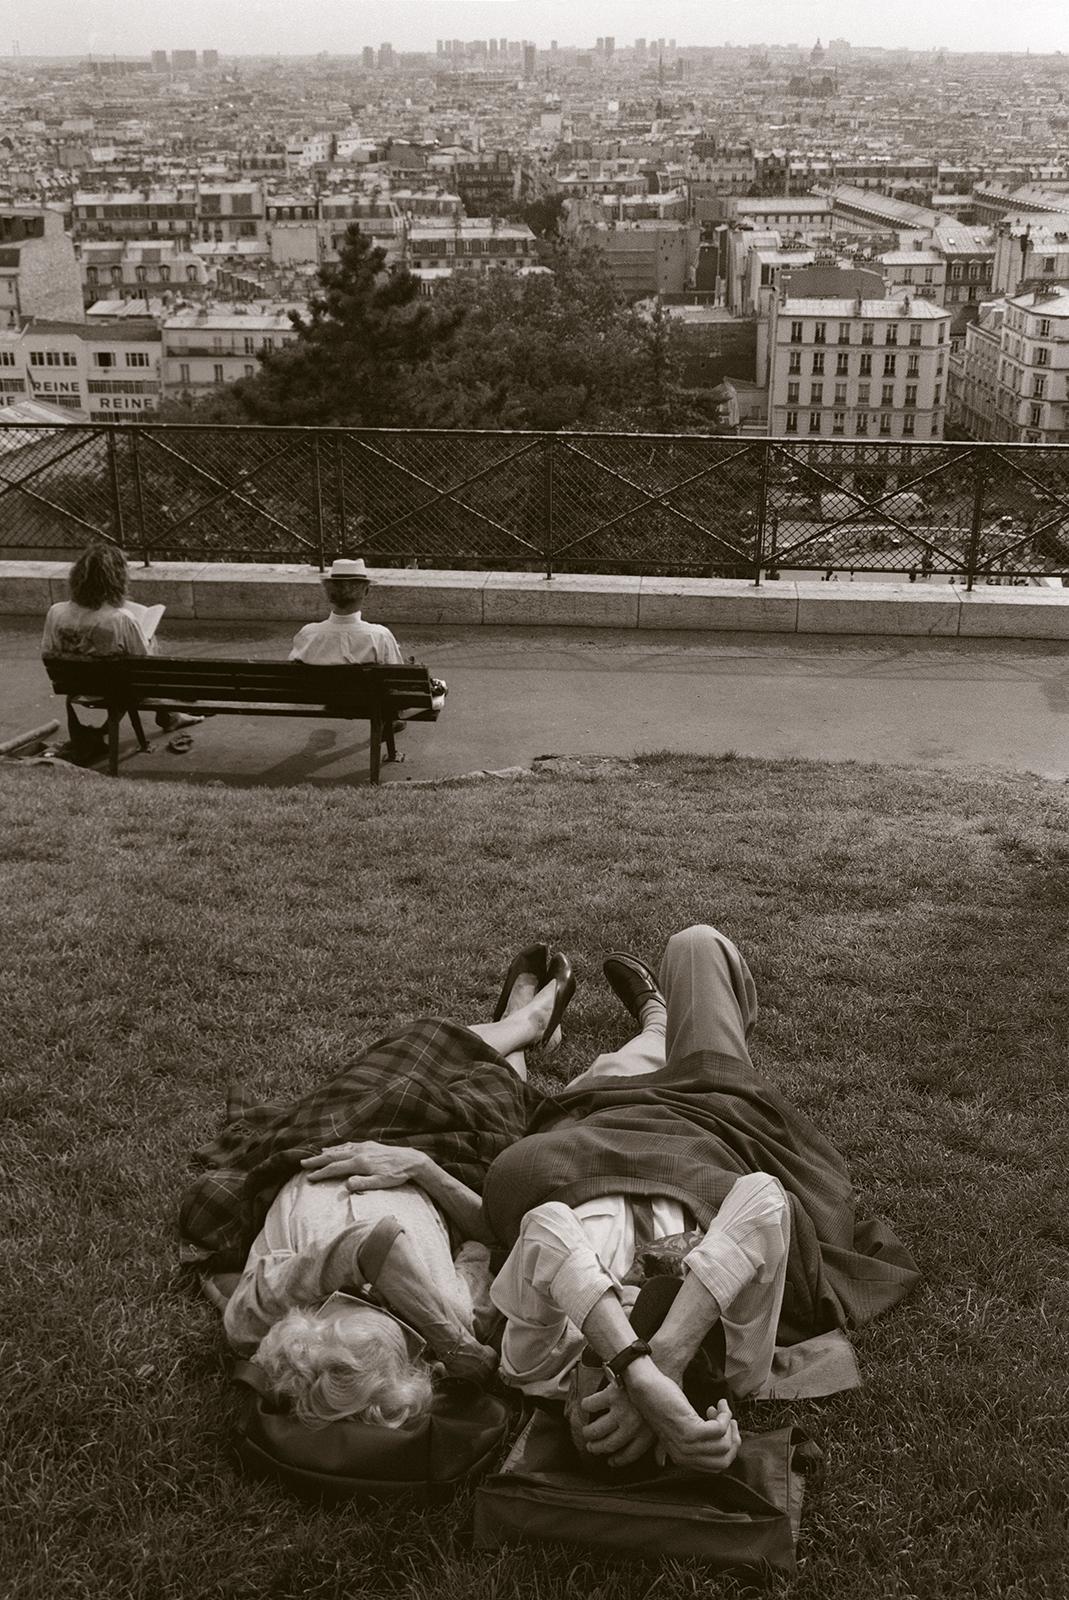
{"type": "Point", "coordinates": [640, 47]}
{"type": "Point", "coordinates": [529, 54]}
{"type": "Point", "coordinates": [367, 56]}
{"type": "Point", "coordinates": [209, 58]}
{"type": "Point", "coordinates": [159, 61]}
{"type": "Point", "coordinates": [385, 56]}
{"type": "Point", "coordinates": [503, 47]}
{"type": "Point", "coordinates": [610, 45]}
{"type": "Point", "coordinates": [439, 49]}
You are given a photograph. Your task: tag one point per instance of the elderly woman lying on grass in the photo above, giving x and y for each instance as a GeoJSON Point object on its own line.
{"type": "Point", "coordinates": [673, 1137]}
{"type": "Point", "coordinates": [407, 1224]}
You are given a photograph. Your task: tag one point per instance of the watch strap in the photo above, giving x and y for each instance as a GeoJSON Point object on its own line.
{"type": "Point", "coordinates": [619, 1364]}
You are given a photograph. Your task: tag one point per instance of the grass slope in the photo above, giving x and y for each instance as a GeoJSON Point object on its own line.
{"type": "Point", "coordinates": [907, 934]}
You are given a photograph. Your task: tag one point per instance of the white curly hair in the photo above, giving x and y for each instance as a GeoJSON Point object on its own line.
{"type": "Point", "coordinates": [349, 1364]}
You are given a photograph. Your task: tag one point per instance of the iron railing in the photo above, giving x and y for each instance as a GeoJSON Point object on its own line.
{"type": "Point", "coordinates": [555, 502]}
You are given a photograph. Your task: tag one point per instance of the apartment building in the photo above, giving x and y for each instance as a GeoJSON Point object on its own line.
{"type": "Point", "coordinates": [472, 244]}
{"type": "Point", "coordinates": [972, 374]}
{"type": "Point", "coordinates": [94, 372]}
{"type": "Point", "coordinates": [211, 345]}
{"type": "Point", "coordinates": [166, 213]}
{"type": "Point", "coordinates": [1030, 253]}
{"type": "Point", "coordinates": [970, 257]}
{"type": "Point", "coordinates": [918, 272]}
{"type": "Point", "coordinates": [38, 268]}
{"type": "Point", "coordinates": [136, 270]}
{"type": "Point", "coordinates": [1032, 391]}
{"type": "Point", "coordinates": [857, 368]}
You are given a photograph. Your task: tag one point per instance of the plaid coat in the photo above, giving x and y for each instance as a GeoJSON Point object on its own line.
{"type": "Point", "coordinates": [688, 1132]}
{"type": "Point", "coordinates": [433, 1086]}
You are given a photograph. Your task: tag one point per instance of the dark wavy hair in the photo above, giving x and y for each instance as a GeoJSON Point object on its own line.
{"type": "Point", "coordinates": [98, 577]}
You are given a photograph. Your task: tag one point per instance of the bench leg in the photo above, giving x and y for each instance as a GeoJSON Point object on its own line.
{"type": "Point", "coordinates": [135, 719]}
{"type": "Point", "coordinates": [376, 748]}
{"type": "Point", "coordinates": [387, 731]}
{"type": "Point", "coordinates": [74, 727]}
{"type": "Point", "coordinates": [115, 717]}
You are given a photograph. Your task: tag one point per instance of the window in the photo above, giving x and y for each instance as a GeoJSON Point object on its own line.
{"type": "Point", "coordinates": [909, 424]}
{"type": "Point", "coordinates": [796, 333]}
{"type": "Point", "coordinates": [1039, 387]}
{"type": "Point", "coordinates": [165, 274]}
{"type": "Point", "coordinates": [820, 332]}
{"type": "Point", "coordinates": [913, 367]}
{"type": "Point", "coordinates": [863, 394]}
{"type": "Point", "coordinates": [250, 344]}
{"type": "Point", "coordinates": [887, 395]}
{"type": "Point", "coordinates": [792, 393]}
{"type": "Point", "coordinates": [794, 361]}
{"type": "Point", "coordinates": [938, 394]}
{"type": "Point", "coordinates": [1048, 264]}
{"type": "Point", "coordinates": [105, 358]}
{"type": "Point", "coordinates": [889, 366]}
{"type": "Point", "coordinates": [183, 372]}
{"type": "Point", "coordinates": [955, 271]}
{"type": "Point", "coordinates": [91, 274]}
{"type": "Point", "coordinates": [929, 277]}
{"type": "Point", "coordinates": [842, 364]}
{"type": "Point", "coordinates": [885, 422]}
{"type": "Point", "coordinates": [844, 333]}
{"type": "Point", "coordinates": [814, 422]}
{"type": "Point", "coordinates": [914, 333]}
{"type": "Point", "coordinates": [816, 394]}
{"type": "Point", "coordinates": [138, 358]}
{"type": "Point", "coordinates": [975, 271]}
{"type": "Point", "coordinates": [818, 362]}
{"type": "Point", "coordinates": [116, 274]}
{"type": "Point", "coordinates": [217, 372]}
{"type": "Point", "coordinates": [249, 369]}
{"type": "Point", "coordinates": [862, 422]}
{"type": "Point", "coordinates": [840, 394]}
{"type": "Point", "coordinates": [911, 394]}
{"type": "Point", "coordinates": [867, 332]}
{"type": "Point", "coordinates": [1042, 357]}
{"type": "Point", "coordinates": [891, 333]}
{"type": "Point", "coordinates": [838, 422]}
{"type": "Point", "coordinates": [1044, 328]}
{"type": "Point", "coordinates": [942, 332]}
{"type": "Point", "coordinates": [792, 422]}
{"type": "Point", "coordinates": [865, 364]}
{"type": "Point", "coordinates": [7, 358]}
{"type": "Point", "coordinates": [267, 343]}
{"type": "Point", "coordinates": [141, 274]}
{"type": "Point", "coordinates": [191, 274]}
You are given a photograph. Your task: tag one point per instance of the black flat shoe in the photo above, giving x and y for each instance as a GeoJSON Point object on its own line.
{"type": "Point", "coordinates": [532, 961]}
{"type": "Point", "coordinates": [560, 973]}
{"type": "Point", "coordinates": [631, 981]}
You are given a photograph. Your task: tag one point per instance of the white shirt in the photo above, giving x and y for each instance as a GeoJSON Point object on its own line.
{"type": "Point", "coordinates": [566, 1258]}
{"type": "Point", "coordinates": [346, 641]}
{"type": "Point", "coordinates": [74, 630]}
{"type": "Point", "coordinates": [282, 1266]}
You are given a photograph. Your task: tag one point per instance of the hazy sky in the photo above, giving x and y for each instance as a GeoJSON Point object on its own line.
{"type": "Point", "coordinates": [251, 27]}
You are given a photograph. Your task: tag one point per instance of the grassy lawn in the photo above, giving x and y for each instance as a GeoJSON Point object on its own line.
{"type": "Point", "coordinates": [908, 936]}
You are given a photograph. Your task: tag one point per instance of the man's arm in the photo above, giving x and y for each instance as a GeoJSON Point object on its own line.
{"type": "Point", "coordinates": [366, 1164]}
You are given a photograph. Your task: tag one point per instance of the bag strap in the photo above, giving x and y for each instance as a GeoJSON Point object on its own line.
{"type": "Point", "coordinates": [377, 1246]}
{"type": "Point", "coordinates": [252, 1376]}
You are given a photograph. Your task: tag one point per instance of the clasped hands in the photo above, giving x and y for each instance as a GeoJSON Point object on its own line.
{"type": "Point", "coordinates": [653, 1410]}
{"type": "Point", "coordinates": [365, 1164]}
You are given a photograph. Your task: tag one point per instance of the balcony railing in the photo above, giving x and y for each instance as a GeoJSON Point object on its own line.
{"type": "Point", "coordinates": [553, 502]}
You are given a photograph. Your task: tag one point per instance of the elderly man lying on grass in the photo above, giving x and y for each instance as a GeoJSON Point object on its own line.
{"type": "Point", "coordinates": [672, 1137]}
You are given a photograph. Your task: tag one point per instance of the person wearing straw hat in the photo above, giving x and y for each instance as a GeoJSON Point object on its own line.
{"type": "Point", "coordinates": [344, 638]}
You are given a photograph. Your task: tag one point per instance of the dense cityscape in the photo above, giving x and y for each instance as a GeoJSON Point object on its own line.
{"type": "Point", "coordinates": [847, 242]}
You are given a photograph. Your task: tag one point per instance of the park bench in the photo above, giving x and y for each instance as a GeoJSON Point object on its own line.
{"type": "Point", "coordinates": [127, 685]}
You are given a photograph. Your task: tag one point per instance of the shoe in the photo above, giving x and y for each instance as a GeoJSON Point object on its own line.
{"type": "Point", "coordinates": [532, 961]}
{"type": "Point", "coordinates": [631, 981]}
{"type": "Point", "coordinates": [560, 973]}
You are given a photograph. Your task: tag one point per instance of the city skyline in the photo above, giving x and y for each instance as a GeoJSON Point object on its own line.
{"type": "Point", "coordinates": [106, 27]}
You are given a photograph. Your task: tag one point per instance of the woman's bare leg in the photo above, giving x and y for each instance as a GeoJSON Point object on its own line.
{"type": "Point", "coordinates": [526, 1017]}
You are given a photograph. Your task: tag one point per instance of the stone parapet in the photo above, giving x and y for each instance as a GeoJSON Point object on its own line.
{"type": "Point", "coordinates": [220, 592]}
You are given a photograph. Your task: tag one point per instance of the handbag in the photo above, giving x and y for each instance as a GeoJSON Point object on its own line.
{"type": "Point", "coordinates": [425, 1459]}
{"type": "Point", "coordinates": [744, 1519]}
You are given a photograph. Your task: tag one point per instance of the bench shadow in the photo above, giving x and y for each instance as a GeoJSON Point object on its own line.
{"type": "Point", "coordinates": [307, 763]}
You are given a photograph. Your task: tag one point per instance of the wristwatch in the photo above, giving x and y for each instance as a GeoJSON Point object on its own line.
{"type": "Point", "coordinates": [619, 1364]}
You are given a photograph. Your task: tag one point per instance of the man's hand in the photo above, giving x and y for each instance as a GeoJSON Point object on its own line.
{"type": "Point", "coordinates": [704, 1444]}
{"type": "Point", "coordinates": [367, 1165]}
{"type": "Point", "coordinates": [615, 1429]}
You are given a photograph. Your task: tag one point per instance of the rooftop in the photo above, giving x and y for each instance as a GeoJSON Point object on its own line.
{"type": "Point", "coordinates": [920, 310]}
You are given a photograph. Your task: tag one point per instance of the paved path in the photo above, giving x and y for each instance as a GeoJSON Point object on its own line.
{"type": "Point", "coordinates": [517, 693]}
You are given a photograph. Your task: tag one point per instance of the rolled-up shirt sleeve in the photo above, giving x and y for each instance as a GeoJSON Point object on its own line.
{"type": "Point", "coordinates": [278, 1277]}
{"type": "Point", "coordinates": [552, 1280]}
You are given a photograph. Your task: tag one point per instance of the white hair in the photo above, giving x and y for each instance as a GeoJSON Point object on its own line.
{"type": "Point", "coordinates": [351, 1364]}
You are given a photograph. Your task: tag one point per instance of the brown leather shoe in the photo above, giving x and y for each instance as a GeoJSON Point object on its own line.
{"type": "Point", "coordinates": [631, 981]}
{"type": "Point", "coordinates": [560, 973]}
{"type": "Point", "coordinates": [532, 961]}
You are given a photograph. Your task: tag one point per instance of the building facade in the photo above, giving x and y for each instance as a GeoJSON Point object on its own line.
{"type": "Point", "coordinates": [856, 369]}
{"type": "Point", "coordinates": [209, 346]}
{"type": "Point", "coordinates": [94, 372]}
{"type": "Point", "coordinates": [1032, 391]}
{"type": "Point", "coordinates": [38, 267]}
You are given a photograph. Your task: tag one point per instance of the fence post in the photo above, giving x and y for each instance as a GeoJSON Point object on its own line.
{"type": "Point", "coordinates": [116, 493]}
{"type": "Point", "coordinates": [762, 514]}
{"type": "Point", "coordinates": [317, 484]}
{"type": "Point", "coordinates": [547, 502]}
{"type": "Point", "coordinates": [139, 495]}
{"type": "Point", "coordinates": [977, 521]}
{"type": "Point", "coordinates": [339, 483]}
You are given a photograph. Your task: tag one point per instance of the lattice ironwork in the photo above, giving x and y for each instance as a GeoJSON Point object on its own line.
{"type": "Point", "coordinates": [595, 502]}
